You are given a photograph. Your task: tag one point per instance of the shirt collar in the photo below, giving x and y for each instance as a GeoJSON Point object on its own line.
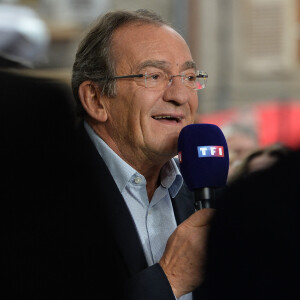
{"type": "Point", "coordinates": [170, 176]}
{"type": "Point", "coordinates": [119, 169]}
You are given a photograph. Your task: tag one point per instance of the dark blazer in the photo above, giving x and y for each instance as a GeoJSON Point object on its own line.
{"type": "Point", "coordinates": [66, 230]}
{"type": "Point", "coordinates": [124, 254]}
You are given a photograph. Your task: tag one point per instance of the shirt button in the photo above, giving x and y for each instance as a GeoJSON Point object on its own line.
{"type": "Point", "coordinates": [138, 180]}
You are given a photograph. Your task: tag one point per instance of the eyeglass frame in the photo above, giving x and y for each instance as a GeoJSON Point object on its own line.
{"type": "Point", "coordinates": [201, 74]}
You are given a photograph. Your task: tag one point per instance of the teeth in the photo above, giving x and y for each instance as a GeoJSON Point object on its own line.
{"type": "Point", "coordinates": [162, 117]}
{"type": "Point", "coordinates": [166, 117]}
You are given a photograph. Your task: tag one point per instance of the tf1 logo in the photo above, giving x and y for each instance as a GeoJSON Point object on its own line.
{"type": "Point", "coordinates": [207, 151]}
{"type": "Point", "coordinates": [210, 151]}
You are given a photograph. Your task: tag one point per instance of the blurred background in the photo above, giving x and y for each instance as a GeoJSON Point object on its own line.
{"type": "Point", "coordinates": [249, 48]}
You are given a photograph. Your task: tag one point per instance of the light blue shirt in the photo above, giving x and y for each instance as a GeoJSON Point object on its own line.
{"type": "Point", "coordinates": [155, 220]}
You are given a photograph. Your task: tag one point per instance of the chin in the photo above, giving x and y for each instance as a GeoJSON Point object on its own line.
{"type": "Point", "coordinates": [164, 144]}
{"type": "Point", "coordinates": [170, 150]}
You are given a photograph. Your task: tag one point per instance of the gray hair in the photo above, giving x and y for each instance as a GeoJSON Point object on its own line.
{"type": "Point", "coordinates": [94, 59]}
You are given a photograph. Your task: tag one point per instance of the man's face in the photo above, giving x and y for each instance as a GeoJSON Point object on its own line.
{"type": "Point", "coordinates": [137, 127]}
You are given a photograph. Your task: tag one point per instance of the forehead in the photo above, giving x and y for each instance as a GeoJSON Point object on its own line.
{"type": "Point", "coordinates": [135, 44]}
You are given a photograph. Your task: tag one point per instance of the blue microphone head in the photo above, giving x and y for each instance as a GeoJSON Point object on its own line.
{"type": "Point", "coordinates": [203, 156]}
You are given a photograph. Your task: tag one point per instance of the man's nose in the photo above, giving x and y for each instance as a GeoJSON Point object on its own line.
{"type": "Point", "coordinates": [176, 91]}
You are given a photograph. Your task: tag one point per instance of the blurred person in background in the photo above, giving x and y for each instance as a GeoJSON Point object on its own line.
{"type": "Point", "coordinates": [241, 140]}
{"type": "Point", "coordinates": [253, 248]}
{"type": "Point", "coordinates": [36, 125]}
{"type": "Point", "coordinates": [24, 36]}
{"type": "Point", "coordinates": [259, 159]}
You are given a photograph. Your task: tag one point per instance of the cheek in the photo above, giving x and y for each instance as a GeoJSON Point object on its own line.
{"type": "Point", "coordinates": [193, 107]}
{"type": "Point", "coordinates": [133, 116]}
{"type": "Point", "coordinates": [144, 101]}
{"type": "Point", "coordinates": [118, 117]}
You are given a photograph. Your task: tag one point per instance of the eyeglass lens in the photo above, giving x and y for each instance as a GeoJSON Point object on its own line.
{"type": "Point", "coordinates": [161, 80]}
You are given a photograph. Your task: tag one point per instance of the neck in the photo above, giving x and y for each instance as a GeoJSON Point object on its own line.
{"type": "Point", "coordinates": [142, 162]}
{"type": "Point", "coordinates": [153, 180]}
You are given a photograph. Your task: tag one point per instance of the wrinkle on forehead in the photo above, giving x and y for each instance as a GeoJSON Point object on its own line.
{"type": "Point", "coordinates": [159, 47]}
{"type": "Point", "coordinates": [164, 65]}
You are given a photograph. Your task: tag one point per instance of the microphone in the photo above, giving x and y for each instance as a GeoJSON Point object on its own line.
{"type": "Point", "coordinates": [203, 160]}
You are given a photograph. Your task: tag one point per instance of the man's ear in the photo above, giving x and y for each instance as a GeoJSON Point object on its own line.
{"type": "Point", "coordinates": [92, 101]}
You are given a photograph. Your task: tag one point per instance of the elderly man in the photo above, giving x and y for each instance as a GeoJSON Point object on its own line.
{"type": "Point", "coordinates": [107, 215]}
{"type": "Point", "coordinates": [136, 85]}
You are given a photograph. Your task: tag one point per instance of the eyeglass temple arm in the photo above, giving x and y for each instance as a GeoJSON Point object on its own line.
{"type": "Point", "coordinates": [129, 76]}
{"type": "Point", "coordinates": [126, 76]}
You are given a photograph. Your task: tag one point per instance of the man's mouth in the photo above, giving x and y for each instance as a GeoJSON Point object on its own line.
{"type": "Point", "coordinates": [168, 118]}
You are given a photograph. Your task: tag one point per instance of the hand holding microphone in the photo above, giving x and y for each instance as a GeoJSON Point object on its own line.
{"type": "Point", "coordinates": [184, 259]}
{"type": "Point", "coordinates": [204, 161]}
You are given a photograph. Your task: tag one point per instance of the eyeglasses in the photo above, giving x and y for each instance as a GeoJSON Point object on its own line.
{"type": "Point", "coordinates": [160, 80]}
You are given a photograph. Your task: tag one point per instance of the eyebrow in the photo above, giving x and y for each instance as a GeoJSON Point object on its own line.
{"type": "Point", "coordinates": [161, 64]}
{"type": "Point", "coordinates": [189, 65]}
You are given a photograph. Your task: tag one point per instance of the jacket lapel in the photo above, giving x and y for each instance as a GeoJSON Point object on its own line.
{"type": "Point", "coordinates": [183, 204]}
{"type": "Point", "coordinates": [119, 220]}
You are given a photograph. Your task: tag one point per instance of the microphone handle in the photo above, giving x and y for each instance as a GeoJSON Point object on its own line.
{"type": "Point", "coordinates": [204, 198]}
